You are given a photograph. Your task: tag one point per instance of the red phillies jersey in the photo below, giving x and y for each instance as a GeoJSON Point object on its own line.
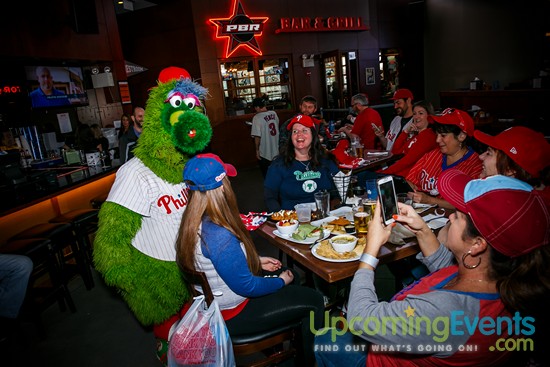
{"type": "Point", "coordinates": [425, 172]}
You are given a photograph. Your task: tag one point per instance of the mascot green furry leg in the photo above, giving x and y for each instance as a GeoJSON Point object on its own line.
{"type": "Point", "coordinates": [134, 248]}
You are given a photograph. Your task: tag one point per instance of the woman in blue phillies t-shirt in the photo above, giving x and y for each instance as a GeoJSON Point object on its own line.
{"type": "Point", "coordinates": [303, 168]}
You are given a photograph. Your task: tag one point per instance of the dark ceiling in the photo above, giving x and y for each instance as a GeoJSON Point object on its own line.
{"type": "Point", "coordinates": [125, 6]}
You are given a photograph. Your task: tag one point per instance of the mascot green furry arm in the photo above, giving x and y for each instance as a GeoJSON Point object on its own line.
{"type": "Point", "coordinates": [134, 248]}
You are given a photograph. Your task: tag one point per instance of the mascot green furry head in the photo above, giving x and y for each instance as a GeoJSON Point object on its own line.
{"type": "Point", "coordinates": [134, 248]}
{"type": "Point", "coordinates": [175, 126]}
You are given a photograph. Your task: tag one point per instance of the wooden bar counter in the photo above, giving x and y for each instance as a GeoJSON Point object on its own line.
{"type": "Point", "coordinates": [72, 188]}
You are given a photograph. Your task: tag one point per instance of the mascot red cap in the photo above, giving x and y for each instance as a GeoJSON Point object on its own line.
{"type": "Point", "coordinates": [173, 72]}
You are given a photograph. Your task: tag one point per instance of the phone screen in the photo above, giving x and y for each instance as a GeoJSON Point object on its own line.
{"type": "Point", "coordinates": [388, 199]}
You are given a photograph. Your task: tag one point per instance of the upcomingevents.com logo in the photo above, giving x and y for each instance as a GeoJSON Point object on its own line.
{"type": "Point", "coordinates": [515, 328]}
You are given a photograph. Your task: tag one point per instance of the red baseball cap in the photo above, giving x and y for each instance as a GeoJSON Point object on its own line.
{"type": "Point", "coordinates": [508, 213]}
{"type": "Point", "coordinates": [173, 72]}
{"type": "Point", "coordinates": [402, 94]}
{"type": "Point", "coordinates": [305, 120]}
{"type": "Point", "coordinates": [528, 148]}
{"type": "Point", "coordinates": [453, 116]}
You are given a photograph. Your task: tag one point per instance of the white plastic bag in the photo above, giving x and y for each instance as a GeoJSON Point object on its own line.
{"type": "Point", "coordinates": [201, 338]}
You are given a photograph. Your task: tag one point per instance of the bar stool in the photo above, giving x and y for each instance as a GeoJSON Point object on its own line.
{"type": "Point", "coordinates": [47, 283]}
{"type": "Point", "coordinates": [84, 223]}
{"type": "Point", "coordinates": [62, 237]}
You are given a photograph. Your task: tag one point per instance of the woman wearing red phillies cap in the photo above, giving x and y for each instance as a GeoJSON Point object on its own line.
{"type": "Point", "coordinates": [488, 290]}
{"type": "Point", "coordinates": [517, 152]}
{"type": "Point", "coordinates": [453, 128]}
{"type": "Point", "coordinates": [303, 168]}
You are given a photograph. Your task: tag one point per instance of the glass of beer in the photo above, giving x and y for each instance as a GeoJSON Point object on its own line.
{"type": "Point", "coordinates": [360, 151]}
{"type": "Point", "coordinates": [370, 206]}
{"type": "Point", "coordinates": [361, 217]}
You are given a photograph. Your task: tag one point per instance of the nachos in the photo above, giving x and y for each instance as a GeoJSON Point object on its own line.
{"type": "Point", "coordinates": [325, 250]}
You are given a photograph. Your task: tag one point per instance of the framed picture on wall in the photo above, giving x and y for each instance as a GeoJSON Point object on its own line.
{"type": "Point", "coordinates": [370, 76]}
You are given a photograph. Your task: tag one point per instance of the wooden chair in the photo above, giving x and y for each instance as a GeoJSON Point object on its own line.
{"type": "Point", "coordinates": [271, 347]}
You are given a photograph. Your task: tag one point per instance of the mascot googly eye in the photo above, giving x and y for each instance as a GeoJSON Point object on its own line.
{"type": "Point", "coordinates": [176, 99]}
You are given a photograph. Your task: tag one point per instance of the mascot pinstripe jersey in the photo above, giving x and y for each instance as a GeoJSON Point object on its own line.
{"type": "Point", "coordinates": [134, 248]}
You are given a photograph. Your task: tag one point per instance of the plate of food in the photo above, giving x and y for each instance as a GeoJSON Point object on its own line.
{"type": "Point", "coordinates": [305, 234]}
{"type": "Point", "coordinates": [283, 215]}
{"type": "Point", "coordinates": [335, 225]}
{"type": "Point", "coordinates": [324, 251]}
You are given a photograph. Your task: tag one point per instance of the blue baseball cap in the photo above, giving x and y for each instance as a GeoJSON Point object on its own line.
{"type": "Point", "coordinates": [205, 172]}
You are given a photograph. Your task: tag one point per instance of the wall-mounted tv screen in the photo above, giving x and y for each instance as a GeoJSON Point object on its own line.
{"type": "Point", "coordinates": [56, 86]}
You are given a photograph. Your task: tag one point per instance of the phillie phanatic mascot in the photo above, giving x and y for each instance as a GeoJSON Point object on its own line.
{"type": "Point", "coordinates": [134, 248]}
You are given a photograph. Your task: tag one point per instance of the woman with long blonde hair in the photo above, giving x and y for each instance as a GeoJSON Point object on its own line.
{"type": "Point", "coordinates": [254, 292]}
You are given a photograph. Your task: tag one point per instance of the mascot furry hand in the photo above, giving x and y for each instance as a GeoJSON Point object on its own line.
{"type": "Point", "coordinates": [134, 248]}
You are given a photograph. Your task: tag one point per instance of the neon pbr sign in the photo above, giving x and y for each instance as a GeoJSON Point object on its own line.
{"type": "Point", "coordinates": [240, 30]}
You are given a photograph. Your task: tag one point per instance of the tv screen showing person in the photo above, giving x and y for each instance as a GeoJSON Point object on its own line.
{"type": "Point", "coordinates": [56, 86]}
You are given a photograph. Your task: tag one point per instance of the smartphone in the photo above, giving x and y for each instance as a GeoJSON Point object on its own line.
{"type": "Point", "coordinates": [401, 185]}
{"type": "Point", "coordinates": [388, 198]}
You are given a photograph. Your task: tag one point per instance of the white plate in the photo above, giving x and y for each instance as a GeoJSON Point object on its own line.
{"type": "Point", "coordinates": [377, 153]}
{"type": "Point", "coordinates": [344, 211]}
{"type": "Point", "coordinates": [307, 241]}
{"type": "Point", "coordinates": [314, 253]}
{"type": "Point", "coordinates": [438, 223]}
{"type": "Point", "coordinates": [320, 222]}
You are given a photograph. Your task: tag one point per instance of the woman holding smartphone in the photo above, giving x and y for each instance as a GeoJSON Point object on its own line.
{"type": "Point", "coordinates": [492, 268]}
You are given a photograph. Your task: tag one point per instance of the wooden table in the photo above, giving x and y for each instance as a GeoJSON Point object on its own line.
{"type": "Point", "coordinates": [330, 271]}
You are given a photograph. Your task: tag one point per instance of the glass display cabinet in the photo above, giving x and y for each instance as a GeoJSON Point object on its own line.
{"type": "Point", "coordinates": [243, 80]}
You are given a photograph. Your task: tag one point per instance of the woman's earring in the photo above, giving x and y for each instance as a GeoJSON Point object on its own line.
{"type": "Point", "coordinates": [469, 266]}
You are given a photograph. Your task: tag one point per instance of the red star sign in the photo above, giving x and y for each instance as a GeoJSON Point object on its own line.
{"type": "Point", "coordinates": [240, 30]}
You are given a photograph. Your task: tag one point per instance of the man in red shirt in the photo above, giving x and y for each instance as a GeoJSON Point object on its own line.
{"type": "Point", "coordinates": [363, 125]}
